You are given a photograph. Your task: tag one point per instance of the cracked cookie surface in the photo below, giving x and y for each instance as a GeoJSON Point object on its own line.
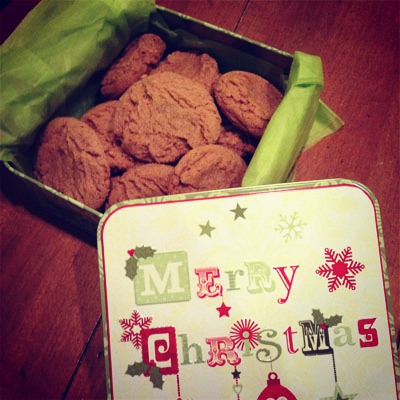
{"type": "Point", "coordinates": [161, 117]}
{"type": "Point", "coordinates": [201, 68]}
{"type": "Point", "coordinates": [137, 59]}
{"type": "Point", "coordinates": [71, 159]}
{"type": "Point", "coordinates": [145, 180]}
{"type": "Point", "coordinates": [101, 119]}
{"type": "Point", "coordinates": [237, 141]}
{"type": "Point", "coordinates": [247, 100]}
{"type": "Point", "coordinates": [207, 167]}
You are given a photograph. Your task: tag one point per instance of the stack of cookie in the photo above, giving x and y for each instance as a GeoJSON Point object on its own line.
{"type": "Point", "coordinates": [168, 124]}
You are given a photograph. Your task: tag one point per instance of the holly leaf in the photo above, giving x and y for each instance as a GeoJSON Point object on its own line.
{"type": "Point", "coordinates": [333, 321]}
{"type": "Point", "coordinates": [144, 252]}
{"type": "Point", "coordinates": [318, 317]}
{"type": "Point", "coordinates": [131, 267]}
{"type": "Point", "coordinates": [137, 369]}
{"type": "Point", "coordinates": [156, 378]}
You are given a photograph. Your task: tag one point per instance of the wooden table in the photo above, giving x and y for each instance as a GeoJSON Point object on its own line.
{"type": "Point", "coordinates": [51, 334]}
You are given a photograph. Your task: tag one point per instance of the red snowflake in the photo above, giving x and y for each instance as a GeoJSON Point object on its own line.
{"type": "Point", "coordinates": [132, 328]}
{"type": "Point", "coordinates": [340, 269]}
{"type": "Point", "coordinates": [245, 331]}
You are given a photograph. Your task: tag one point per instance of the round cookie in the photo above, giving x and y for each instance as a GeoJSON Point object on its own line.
{"type": "Point", "coordinates": [201, 68]}
{"type": "Point", "coordinates": [138, 59]}
{"type": "Point", "coordinates": [101, 119]}
{"type": "Point", "coordinates": [247, 100]}
{"type": "Point", "coordinates": [142, 181]}
{"type": "Point", "coordinates": [71, 159]}
{"type": "Point", "coordinates": [207, 167]}
{"type": "Point", "coordinates": [161, 117]}
{"type": "Point", "coordinates": [238, 142]}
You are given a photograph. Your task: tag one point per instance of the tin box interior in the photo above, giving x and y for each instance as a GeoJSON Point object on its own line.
{"type": "Point", "coordinates": [180, 32]}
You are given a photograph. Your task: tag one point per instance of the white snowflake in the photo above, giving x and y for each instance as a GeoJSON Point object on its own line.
{"type": "Point", "coordinates": [290, 227]}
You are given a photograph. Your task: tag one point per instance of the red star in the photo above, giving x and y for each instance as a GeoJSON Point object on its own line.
{"type": "Point", "coordinates": [223, 310]}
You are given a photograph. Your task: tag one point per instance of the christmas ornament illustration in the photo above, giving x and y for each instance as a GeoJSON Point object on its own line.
{"type": "Point", "coordinates": [274, 390]}
{"type": "Point", "coordinates": [340, 269]}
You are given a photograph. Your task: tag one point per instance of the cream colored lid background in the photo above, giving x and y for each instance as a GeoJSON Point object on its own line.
{"type": "Point", "coordinates": [280, 228]}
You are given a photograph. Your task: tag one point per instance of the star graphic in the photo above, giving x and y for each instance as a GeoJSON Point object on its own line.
{"type": "Point", "coordinates": [206, 229]}
{"type": "Point", "coordinates": [239, 211]}
{"type": "Point", "coordinates": [223, 310]}
{"type": "Point", "coordinates": [236, 374]}
{"type": "Point", "coordinates": [338, 395]}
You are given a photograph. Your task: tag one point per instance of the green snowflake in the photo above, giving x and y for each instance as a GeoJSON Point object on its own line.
{"type": "Point", "coordinates": [291, 226]}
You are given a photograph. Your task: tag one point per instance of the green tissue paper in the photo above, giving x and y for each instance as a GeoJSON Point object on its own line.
{"type": "Point", "coordinates": [53, 62]}
{"type": "Point", "coordinates": [54, 52]}
{"type": "Point", "coordinates": [299, 122]}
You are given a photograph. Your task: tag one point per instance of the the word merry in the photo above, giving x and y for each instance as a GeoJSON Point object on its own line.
{"type": "Point", "coordinates": [165, 278]}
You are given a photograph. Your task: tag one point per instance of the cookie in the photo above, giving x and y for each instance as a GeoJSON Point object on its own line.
{"type": "Point", "coordinates": [142, 181]}
{"type": "Point", "coordinates": [138, 59]}
{"type": "Point", "coordinates": [201, 68]}
{"type": "Point", "coordinates": [207, 167]}
{"type": "Point", "coordinates": [162, 116]}
{"type": "Point", "coordinates": [101, 119]}
{"type": "Point", "coordinates": [71, 159]}
{"type": "Point", "coordinates": [237, 141]}
{"type": "Point", "coordinates": [247, 100]}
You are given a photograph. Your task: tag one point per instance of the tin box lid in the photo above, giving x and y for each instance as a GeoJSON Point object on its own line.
{"type": "Point", "coordinates": [270, 292]}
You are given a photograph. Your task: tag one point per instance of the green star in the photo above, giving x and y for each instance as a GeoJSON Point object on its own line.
{"type": "Point", "coordinates": [338, 395]}
{"type": "Point", "coordinates": [239, 212]}
{"type": "Point", "coordinates": [206, 229]}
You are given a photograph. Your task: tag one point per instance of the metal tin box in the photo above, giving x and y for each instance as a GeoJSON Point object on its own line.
{"type": "Point", "coordinates": [273, 63]}
{"type": "Point", "coordinates": [272, 292]}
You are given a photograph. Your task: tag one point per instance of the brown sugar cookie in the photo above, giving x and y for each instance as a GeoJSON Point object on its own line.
{"type": "Point", "coordinates": [161, 117]}
{"type": "Point", "coordinates": [142, 181]}
{"type": "Point", "coordinates": [247, 100]}
{"type": "Point", "coordinates": [138, 59]}
{"type": "Point", "coordinates": [238, 142]}
{"type": "Point", "coordinates": [201, 68]}
{"type": "Point", "coordinates": [207, 167]}
{"type": "Point", "coordinates": [101, 119]}
{"type": "Point", "coordinates": [71, 159]}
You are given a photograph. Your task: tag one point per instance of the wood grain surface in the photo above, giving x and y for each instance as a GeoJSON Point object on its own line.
{"type": "Point", "coordinates": [51, 334]}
